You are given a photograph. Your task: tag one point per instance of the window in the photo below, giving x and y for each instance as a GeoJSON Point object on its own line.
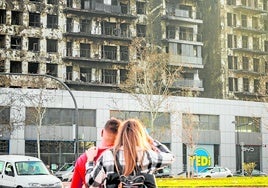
{"type": "Point", "coordinates": [244, 41]}
{"type": "Point", "coordinates": [52, 21]}
{"type": "Point", "coordinates": [2, 16]}
{"type": "Point", "coordinates": [52, 69]}
{"type": "Point", "coordinates": [233, 84]}
{"type": "Point", "coordinates": [85, 26]}
{"type": "Point", "coordinates": [256, 85]}
{"type": "Point", "coordinates": [69, 3]}
{"type": "Point", "coordinates": [16, 18]}
{"type": "Point", "coordinates": [246, 84]}
{"type": "Point", "coordinates": [244, 20]}
{"type": "Point", "coordinates": [85, 74]}
{"type": "Point", "coordinates": [52, 2]}
{"type": "Point", "coordinates": [266, 46]}
{"type": "Point", "coordinates": [231, 19]}
{"type": "Point", "coordinates": [231, 2]}
{"type": "Point", "coordinates": [85, 50]}
{"type": "Point", "coordinates": [15, 42]}
{"type": "Point", "coordinates": [171, 32]}
{"type": "Point", "coordinates": [2, 41]}
{"type": "Point", "coordinates": [52, 45]}
{"type": "Point", "coordinates": [33, 67]}
{"type": "Point", "coordinates": [141, 30]}
{"type": "Point", "coordinates": [15, 67]}
{"type": "Point", "coordinates": [140, 7]}
{"type": "Point", "coordinates": [247, 124]}
{"type": "Point", "coordinates": [62, 117]}
{"type": "Point", "coordinates": [229, 41]}
{"type": "Point", "coordinates": [69, 49]}
{"type": "Point", "coordinates": [109, 52]}
{"type": "Point", "coordinates": [266, 87]}
{"type": "Point", "coordinates": [4, 115]}
{"type": "Point", "coordinates": [245, 63]}
{"type": "Point", "coordinates": [69, 73]}
{"type": "Point", "coordinates": [256, 43]}
{"type": "Point", "coordinates": [109, 76]}
{"type": "Point", "coordinates": [2, 66]}
{"type": "Point", "coordinates": [69, 25]}
{"type": "Point", "coordinates": [33, 44]}
{"type": "Point", "coordinates": [124, 53]}
{"type": "Point", "coordinates": [256, 65]}
{"type": "Point", "coordinates": [200, 121]}
{"type": "Point", "coordinates": [255, 23]}
{"type": "Point", "coordinates": [232, 62]}
{"type": "Point", "coordinates": [34, 19]}
{"type": "Point", "coordinates": [266, 66]}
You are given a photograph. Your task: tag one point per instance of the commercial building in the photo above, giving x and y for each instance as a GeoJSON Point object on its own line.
{"type": "Point", "coordinates": [85, 45]}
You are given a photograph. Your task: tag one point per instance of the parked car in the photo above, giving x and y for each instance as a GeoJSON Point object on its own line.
{"type": "Point", "coordinates": [214, 172]}
{"type": "Point", "coordinates": [65, 172]}
{"type": "Point", "coordinates": [163, 173]}
{"type": "Point", "coordinates": [255, 172]}
{"type": "Point", "coordinates": [25, 171]}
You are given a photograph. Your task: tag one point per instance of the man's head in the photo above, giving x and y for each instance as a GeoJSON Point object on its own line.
{"type": "Point", "coordinates": [109, 132]}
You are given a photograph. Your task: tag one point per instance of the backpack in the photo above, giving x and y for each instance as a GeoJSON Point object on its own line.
{"type": "Point", "coordinates": [136, 180]}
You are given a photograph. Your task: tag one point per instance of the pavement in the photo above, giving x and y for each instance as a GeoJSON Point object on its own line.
{"type": "Point", "coordinates": [66, 184]}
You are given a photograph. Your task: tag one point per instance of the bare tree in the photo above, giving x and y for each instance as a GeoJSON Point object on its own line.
{"type": "Point", "coordinates": [150, 78]}
{"type": "Point", "coordinates": [190, 138]}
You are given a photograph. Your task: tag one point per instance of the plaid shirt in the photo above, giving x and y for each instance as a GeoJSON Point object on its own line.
{"type": "Point", "coordinates": [152, 160]}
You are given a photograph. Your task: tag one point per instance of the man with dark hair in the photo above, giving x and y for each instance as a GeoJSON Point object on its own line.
{"type": "Point", "coordinates": [108, 135]}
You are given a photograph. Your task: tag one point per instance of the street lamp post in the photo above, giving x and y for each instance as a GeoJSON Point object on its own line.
{"type": "Point", "coordinates": [241, 144]}
{"type": "Point", "coordinates": [76, 141]}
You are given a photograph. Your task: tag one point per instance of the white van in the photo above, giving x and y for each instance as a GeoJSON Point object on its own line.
{"type": "Point", "coordinates": [24, 171]}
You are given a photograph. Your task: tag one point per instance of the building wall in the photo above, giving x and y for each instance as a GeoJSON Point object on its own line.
{"type": "Point", "coordinates": [102, 102]}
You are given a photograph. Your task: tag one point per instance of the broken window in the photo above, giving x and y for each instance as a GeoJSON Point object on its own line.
{"type": "Point", "coordinates": [52, 45]}
{"type": "Point", "coordinates": [233, 84]}
{"type": "Point", "coordinates": [86, 4]}
{"type": "Point", "coordinates": [232, 62]}
{"type": "Point", "coordinates": [108, 28]}
{"type": "Point", "coordinates": [34, 19]}
{"type": "Point", "coordinates": [244, 41]}
{"type": "Point", "coordinates": [15, 67]}
{"type": "Point", "coordinates": [266, 46]}
{"type": "Point", "coordinates": [70, 3]}
{"type": "Point", "coordinates": [109, 76]}
{"type": "Point", "coordinates": [231, 2]}
{"type": "Point", "coordinates": [256, 65]}
{"type": "Point", "coordinates": [16, 43]}
{"type": "Point", "coordinates": [16, 18]}
{"type": "Point", "coordinates": [231, 19]}
{"type": "Point", "coordinates": [140, 7]}
{"type": "Point", "coordinates": [2, 66]}
{"type": "Point", "coordinates": [171, 32]}
{"type": "Point", "coordinates": [186, 34]}
{"type": "Point", "coordinates": [2, 16]}
{"type": "Point", "coordinates": [256, 85]}
{"type": "Point", "coordinates": [256, 42]}
{"type": "Point", "coordinates": [69, 25]}
{"type": "Point", "coordinates": [244, 20]}
{"type": "Point", "coordinates": [124, 8]}
{"type": "Point", "coordinates": [52, 21]}
{"type": "Point", "coordinates": [33, 44]}
{"type": "Point", "coordinates": [109, 52]}
{"type": "Point", "coordinates": [245, 63]}
{"type": "Point", "coordinates": [69, 73]}
{"type": "Point", "coordinates": [141, 30]}
{"type": "Point", "coordinates": [85, 26]}
{"type": "Point", "coordinates": [124, 30]}
{"type": "Point", "coordinates": [124, 53]}
{"type": "Point", "coordinates": [85, 74]}
{"type": "Point", "coordinates": [33, 67]}
{"type": "Point", "coordinates": [52, 2]}
{"type": "Point", "coordinates": [52, 69]}
{"type": "Point", "coordinates": [85, 50]}
{"type": "Point", "coordinates": [69, 49]}
{"type": "Point", "coordinates": [246, 84]}
{"type": "Point", "coordinates": [2, 41]}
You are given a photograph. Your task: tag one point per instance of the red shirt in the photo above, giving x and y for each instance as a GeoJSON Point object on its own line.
{"type": "Point", "coordinates": [78, 179]}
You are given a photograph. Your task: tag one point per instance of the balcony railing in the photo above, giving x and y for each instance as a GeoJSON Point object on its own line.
{"type": "Point", "coordinates": [183, 13]}
{"type": "Point", "coordinates": [188, 83]}
{"type": "Point", "coordinates": [187, 36]}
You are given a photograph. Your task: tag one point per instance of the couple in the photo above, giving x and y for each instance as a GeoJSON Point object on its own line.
{"type": "Point", "coordinates": [131, 144]}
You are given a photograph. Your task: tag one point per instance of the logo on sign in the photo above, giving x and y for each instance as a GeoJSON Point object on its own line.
{"type": "Point", "coordinates": [201, 160]}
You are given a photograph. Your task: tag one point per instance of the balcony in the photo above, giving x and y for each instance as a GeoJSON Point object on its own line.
{"type": "Point", "coordinates": [104, 33]}
{"type": "Point", "coordinates": [183, 36]}
{"type": "Point", "coordinates": [186, 61]}
{"type": "Point", "coordinates": [187, 83]}
{"type": "Point", "coordinates": [249, 9]}
{"type": "Point", "coordinates": [183, 15]}
{"type": "Point", "coordinates": [256, 30]}
{"type": "Point", "coordinates": [99, 9]}
{"type": "Point", "coordinates": [84, 55]}
{"type": "Point", "coordinates": [253, 51]}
